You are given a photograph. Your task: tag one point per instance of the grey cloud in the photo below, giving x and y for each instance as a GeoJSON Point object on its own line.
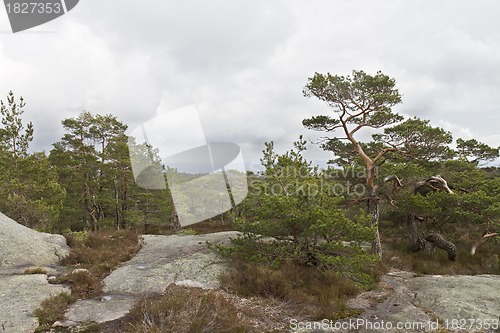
{"type": "Point", "coordinates": [244, 63]}
{"type": "Point", "coordinates": [198, 36]}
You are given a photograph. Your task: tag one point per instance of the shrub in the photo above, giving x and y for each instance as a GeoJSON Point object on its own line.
{"type": "Point", "coordinates": [185, 310]}
{"type": "Point", "coordinates": [83, 285]}
{"type": "Point", "coordinates": [101, 252]}
{"type": "Point", "coordinates": [52, 309]}
{"type": "Point", "coordinates": [321, 294]}
{"type": "Point", "coordinates": [350, 261]}
{"type": "Point", "coordinates": [397, 256]}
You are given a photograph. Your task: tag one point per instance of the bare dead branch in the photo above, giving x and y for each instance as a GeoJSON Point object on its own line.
{"type": "Point", "coordinates": [481, 240]}
{"type": "Point", "coordinates": [395, 179]}
{"type": "Point", "coordinates": [436, 183]}
{"type": "Point", "coordinates": [355, 202]}
{"type": "Point", "coordinates": [391, 201]}
{"type": "Point", "coordinates": [440, 180]}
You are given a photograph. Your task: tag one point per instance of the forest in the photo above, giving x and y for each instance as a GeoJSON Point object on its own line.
{"type": "Point", "coordinates": [412, 188]}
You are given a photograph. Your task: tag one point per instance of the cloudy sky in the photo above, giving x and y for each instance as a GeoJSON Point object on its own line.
{"type": "Point", "coordinates": [244, 63]}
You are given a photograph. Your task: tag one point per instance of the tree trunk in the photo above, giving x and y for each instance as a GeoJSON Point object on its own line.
{"type": "Point", "coordinates": [429, 248]}
{"type": "Point", "coordinates": [414, 242]}
{"type": "Point", "coordinates": [174, 220]}
{"type": "Point", "coordinates": [373, 209]}
{"type": "Point", "coordinates": [439, 241]}
{"type": "Point", "coordinates": [124, 208]}
{"type": "Point", "coordinates": [431, 184]}
{"type": "Point", "coordinates": [117, 208]}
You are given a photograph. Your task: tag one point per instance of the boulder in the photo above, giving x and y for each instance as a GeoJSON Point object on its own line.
{"type": "Point", "coordinates": [22, 247]}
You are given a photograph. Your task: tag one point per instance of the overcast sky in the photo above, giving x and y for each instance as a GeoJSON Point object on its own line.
{"type": "Point", "coordinates": [243, 63]}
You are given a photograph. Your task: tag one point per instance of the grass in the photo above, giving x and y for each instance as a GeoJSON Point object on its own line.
{"type": "Point", "coordinates": [254, 299]}
{"type": "Point", "coordinates": [210, 226]}
{"type": "Point", "coordinates": [185, 310]}
{"type": "Point", "coordinates": [99, 254]}
{"type": "Point", "coordinates": [83, 285]}
{"type": "Point", "coordinates": [317, 294]}
{"type": "Point", "coordinates": [102, 252]}
{"type": "Point", "coordinates": [96, 255]}
{"type": "Point", "coordinates": [397, 256]}
{"type": "Point", "coordinates": [250, 289]}
{"type": "Point", "coordinates": [35, 270]}
{"type": "Point", "coordinates": [204, 227]}
{"type": "Point", "coordinates": [52, 309]}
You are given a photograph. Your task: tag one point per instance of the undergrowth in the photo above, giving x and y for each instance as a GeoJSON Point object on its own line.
{"type": "Point", "coordinates": [94, 255]}
{"type": "Point", "coordinates": [316, 284]}
{"type": "Point", "coordinates": [313, 293]}
{"type": "Point", "coordinates": [185, 310]}
{"type": "Point", "coordinates": [101, 252]}
{"type": "Point", "coordinates": [396, 256]}
{"type": "Point", "coordinates": [52, 309]}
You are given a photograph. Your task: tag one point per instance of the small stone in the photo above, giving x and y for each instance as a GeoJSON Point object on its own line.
{"type": "Point", "coordinates": [80, 271]}
{"type": "Point", "coordinates": [190, 283]}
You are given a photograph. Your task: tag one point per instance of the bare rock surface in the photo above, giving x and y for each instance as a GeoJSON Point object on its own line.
{"type": "Point", "coordinates": [416, 303]}
{"type": "Point", "coordinates": [419, 303]}
{"type": "Point", "coordinates": [166, 259]}
{"type": "Point", "coordinates": [408, 303]}
{"type": "Point", "coordinates": [459, 296]}
{"type": "Point", "coordinates": [20, 295]}
{"type": "Point", "coordinates": [23, 247]}
{"type": "Point", "coordinates": [100, 310]}
{"type": "Point", "coordinates": [162, 260]}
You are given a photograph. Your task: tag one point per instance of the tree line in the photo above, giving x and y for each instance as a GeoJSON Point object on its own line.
{"type": "Point", "coordinates": [85, 182]}
{"type": "Point", "coordinates": [418, 185]}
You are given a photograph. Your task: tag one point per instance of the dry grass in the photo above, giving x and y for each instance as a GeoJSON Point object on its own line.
{"type": "Point", "coordinates": [83, 285]}
{"type": "Point", "coordinates": [52, 309]}
{"type": "Point", "coordinates": [193, 310]}
{"type": "Point", "coordinates": [98, 253]}
{"type": "Point", "coordinates": [315, 294]}
{"type": "Point", "coordinates": [272, 299]}
{"type": "Point", "coordinates": [397, 256]}
{"type": "Point", "coordinates": [204, 227]}
{"type": "Point", "coordinates": [35, 270]}
{"type": "Point", "coordinates": [210, 226]}
{"type": "Point", "coordinates": [102, 252]}
{"type": "Point", "coordinates": [185, 310]}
